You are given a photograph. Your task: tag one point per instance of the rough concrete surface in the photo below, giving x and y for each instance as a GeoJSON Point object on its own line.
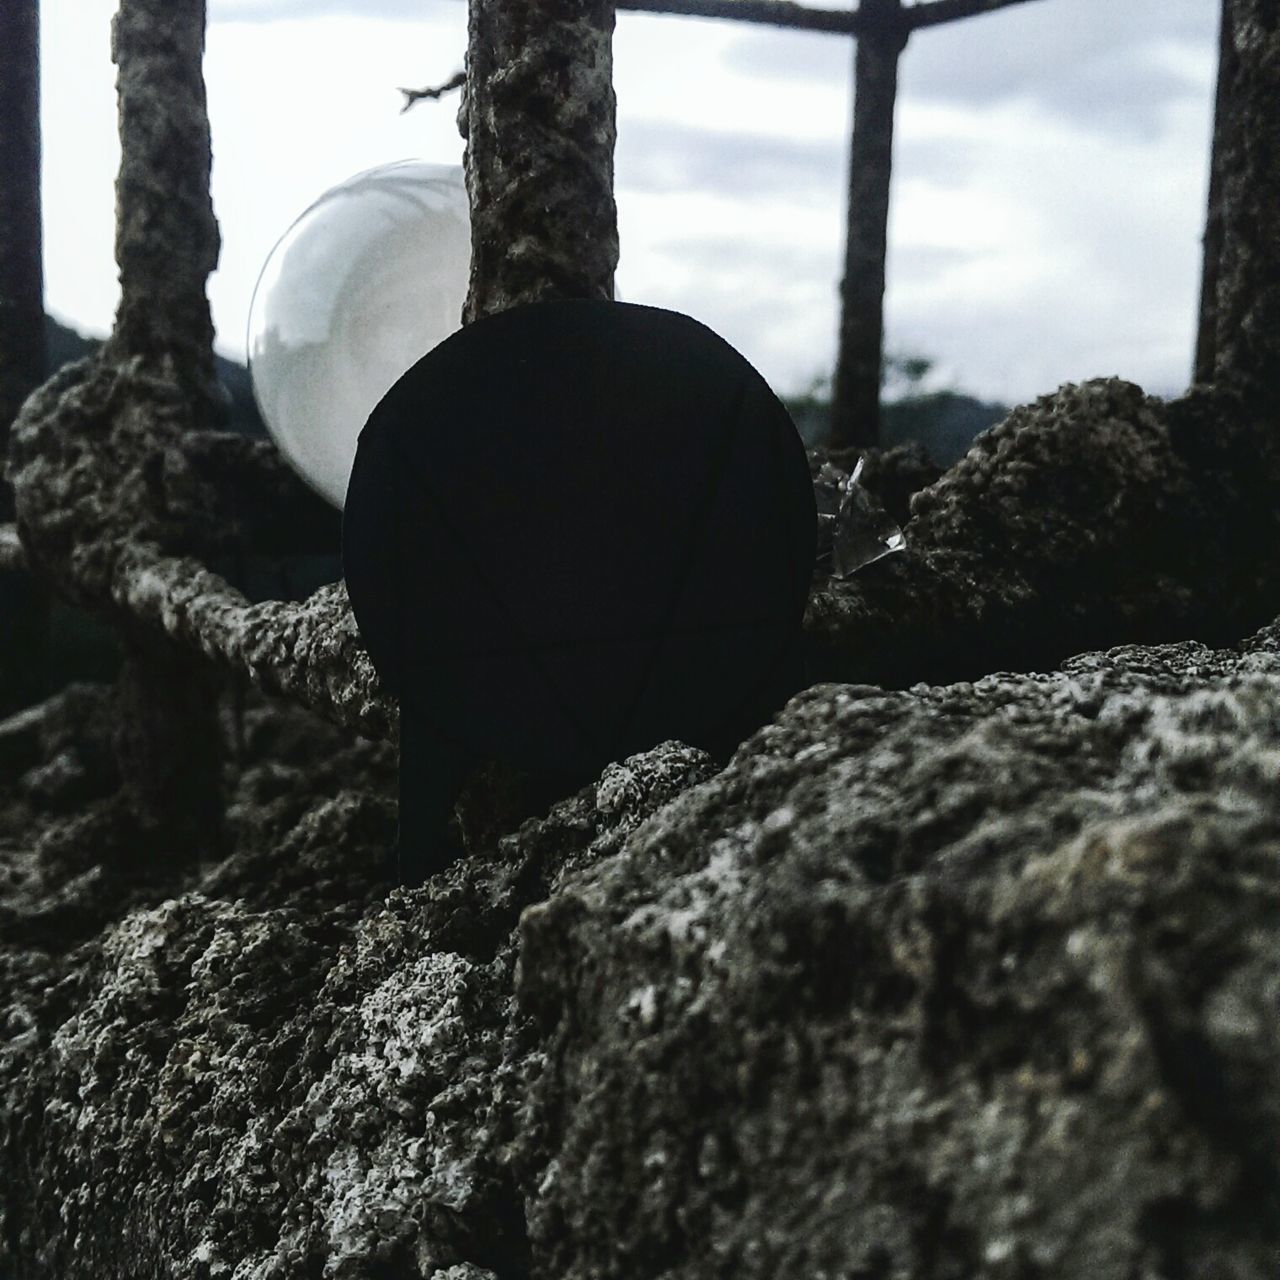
{"type": "Point", "coordinates": [975, 980]}
{"type": "Point", "coordinates": [1095, 516]}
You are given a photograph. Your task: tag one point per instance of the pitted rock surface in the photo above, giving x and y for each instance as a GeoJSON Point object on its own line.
{"type": "Point", "coordinates": [1095, 516]}
{"type": "Point", "coordinates": [968, 980]}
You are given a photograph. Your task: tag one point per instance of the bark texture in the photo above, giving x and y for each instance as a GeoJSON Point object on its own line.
{"type": "Point", "coordinates": [538, 115]}
{"type": "Point", "coordinates": [855, 400]}
{"type": "Point", "coordinates": [1248, 144]}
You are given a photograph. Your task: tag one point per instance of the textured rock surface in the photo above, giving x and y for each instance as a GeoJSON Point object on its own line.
{"type": "Point", "coordinates": [1248, 280]}
{"type": "Point", "coordinates": [968, 981]}
{"type": "Point", "coordinates": [977, 980]}
{"type": "Point", "coordinates": [167, 239]}
{"type": "Point", "coordinates": [111, 509]}
{"type": "Point", "coordinates": [1095, 516]}
{"type": "Point", "coordinates": [538, 116]}
{"type": "Point", "coordinates": [964, 980]}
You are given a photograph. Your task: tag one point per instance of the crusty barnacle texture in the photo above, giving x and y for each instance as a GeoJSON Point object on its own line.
{"type": "Point", "coordinates": [167, 239]}
{"type": "Point", "coordinates": [109, 507]}
{"type": "Point", "coordinates": [967, 980]}
{"type": "Point", "coordinates": [538, 114]}
{"type": "Point", "coordinates": [975, 980]}
{"type": "Point", "coordinates": [631, 790]}
{"type": "Point", "coordinates": [1248, 284]}
{"type": "Point", "coordinates": [1096, 515]}
{"type": "Point", "coordinates": [87, 461]}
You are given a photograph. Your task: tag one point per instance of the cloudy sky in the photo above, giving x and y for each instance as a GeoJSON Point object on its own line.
{"type": "Point", "coordinates": [1048, 197]}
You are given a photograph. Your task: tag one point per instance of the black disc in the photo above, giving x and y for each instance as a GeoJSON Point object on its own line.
{"type": "Point", "coordinates": [575, 529]}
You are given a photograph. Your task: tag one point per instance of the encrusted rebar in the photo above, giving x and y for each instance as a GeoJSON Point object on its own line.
{"type": "Point", "coordinates": [103, 454]}
{"type": "Point", "coordinates": [1248, 144]}
{"type": "Point", "coordinates": [167, 240]}
{"type": "Point", "coordinates": [538, 115]}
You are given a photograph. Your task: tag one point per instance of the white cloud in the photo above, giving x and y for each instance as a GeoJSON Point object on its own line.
{"type": "Point", "coordinates": [1038, 233]}
{"type": "Point", "coordinates": [1114, 67]}
{"type": "Point", "coordinates": [297, 106]}
{"type": "Point", "coordinates": [80, 160]}
{"type": "Point", "coordinates": [275, 10]}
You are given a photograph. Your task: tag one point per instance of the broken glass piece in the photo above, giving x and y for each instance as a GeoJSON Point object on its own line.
{"type": "Point", "coordinates": [853, 528]}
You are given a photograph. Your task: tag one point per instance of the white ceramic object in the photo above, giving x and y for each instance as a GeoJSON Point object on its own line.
{"type": "Point", "coordinates": [361, 286]}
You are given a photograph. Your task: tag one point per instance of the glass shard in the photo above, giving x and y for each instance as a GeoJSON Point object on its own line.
{"type": "Point", "coordinates": [853, 528]}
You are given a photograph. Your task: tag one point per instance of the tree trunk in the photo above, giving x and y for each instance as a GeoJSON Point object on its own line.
{"type": "Point", "coordinates": [24, 608]}
{"type": "Point", "coordinates": [1207, 329]}
{"type": "Point", "coordinates": [855, 406]}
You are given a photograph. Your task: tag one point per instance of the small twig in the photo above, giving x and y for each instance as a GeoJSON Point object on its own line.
{"type": "Point", "coordinates": [414, 96]}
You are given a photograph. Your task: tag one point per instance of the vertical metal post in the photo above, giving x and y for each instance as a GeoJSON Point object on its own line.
{"type": "Point", "coordinates": [167, 240]}
{"type": "Point", "coordinates": [1207, 326]}
{"type": "Point", "coordinates": [1247, 139]}
{"type": "Point", "coordinates": [855, 400]}
{"type": "Point", "coordinates": [539, 118]}
{"type": "Point", "coordinates": [538, 114]}
{"type": "Point", "coordinates": [24, 604]}
{"type": "Point", "coordinates": [169, 740]}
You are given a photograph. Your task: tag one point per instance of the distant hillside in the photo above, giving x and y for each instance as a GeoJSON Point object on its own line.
{"type": "Point", "coordinates": [944, 422]}
{"type": "Point", "coordinates": [65, 345]}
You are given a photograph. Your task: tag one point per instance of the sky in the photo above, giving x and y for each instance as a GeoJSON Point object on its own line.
{"type": "Point", "coordinates": [1051, 165]}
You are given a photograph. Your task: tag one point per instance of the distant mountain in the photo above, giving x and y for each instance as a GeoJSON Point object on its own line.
{"type": "Point", "coordinates": [944, 422]}
{"type": "Point", "coordinates": [65, 345]}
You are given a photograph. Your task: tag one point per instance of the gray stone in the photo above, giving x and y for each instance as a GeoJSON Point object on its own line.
{"type": "Point", "coordinates": [967, 981]}
{"type": "Point", "coordinates": [972, 980]}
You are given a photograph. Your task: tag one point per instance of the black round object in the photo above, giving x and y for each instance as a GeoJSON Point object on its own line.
{"type": "Point", "coordinates": [574, 529]}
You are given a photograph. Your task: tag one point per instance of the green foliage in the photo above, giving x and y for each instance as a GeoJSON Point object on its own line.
{"type": "Point", "coordinates": [944, 421]}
